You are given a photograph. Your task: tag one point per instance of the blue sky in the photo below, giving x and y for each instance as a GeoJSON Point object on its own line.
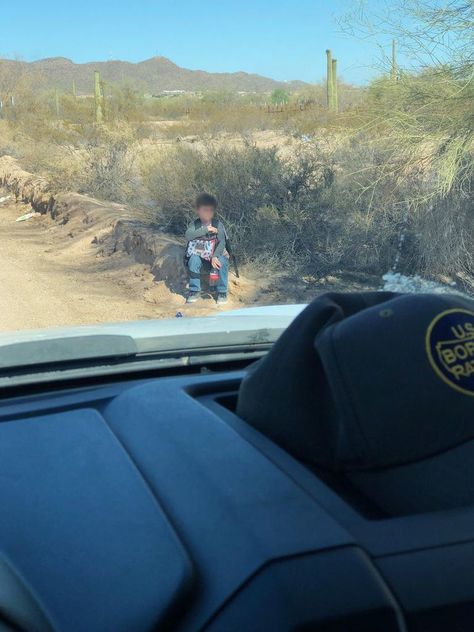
{"type": "Point", "coordinates": [284, 39]}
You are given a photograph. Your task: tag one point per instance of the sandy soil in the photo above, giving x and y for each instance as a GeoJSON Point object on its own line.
{"type": "Point", "coordinates": [50, 276]}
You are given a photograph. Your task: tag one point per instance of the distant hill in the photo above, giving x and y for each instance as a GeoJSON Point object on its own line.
{"type": "Point", "coordinates": [153, 75]}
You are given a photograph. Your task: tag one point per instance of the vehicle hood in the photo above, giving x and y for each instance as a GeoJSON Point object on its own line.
{"type": "Point", "coordinates": [231, 328]}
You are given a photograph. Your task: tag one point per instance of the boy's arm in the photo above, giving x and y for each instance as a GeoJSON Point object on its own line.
{"type": "Point", "coordinates": [221, 238]}
{"type": "Point", "coordinates": [195, 233]}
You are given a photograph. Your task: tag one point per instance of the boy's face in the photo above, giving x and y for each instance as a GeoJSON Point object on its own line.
{"type": "Point", "coordinates": [205, 213]}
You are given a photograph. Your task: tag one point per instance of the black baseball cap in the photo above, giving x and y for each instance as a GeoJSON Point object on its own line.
{"type": "Point", "coordinates": [378, 387]}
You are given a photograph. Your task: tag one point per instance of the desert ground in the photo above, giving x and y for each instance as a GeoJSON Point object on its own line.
{"type": "Point", "coordinates": [50, 277]}
{"type": "Point", "coordinates": [59, 274]}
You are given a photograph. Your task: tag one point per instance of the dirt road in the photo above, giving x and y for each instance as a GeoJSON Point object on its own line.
{"type": "Point", "coordinates": [38, 288]}
{"type": "Point", "coordinates": [48, 279]}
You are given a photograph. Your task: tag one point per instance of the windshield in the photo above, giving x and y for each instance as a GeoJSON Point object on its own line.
{"type": "Point", "coordinates": [182, 159]}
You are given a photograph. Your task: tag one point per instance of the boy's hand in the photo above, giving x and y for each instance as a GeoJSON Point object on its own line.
{"type": "Point", "coordinates": [216, 263]}
{"type": "Point", "coordinates": [212, 229]}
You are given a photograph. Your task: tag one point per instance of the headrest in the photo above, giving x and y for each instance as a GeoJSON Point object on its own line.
{"type": "Point", "coordinates": [369, 380]}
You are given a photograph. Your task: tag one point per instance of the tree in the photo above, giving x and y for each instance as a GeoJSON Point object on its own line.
{"type": "Point", "coordinates": [421, 127]}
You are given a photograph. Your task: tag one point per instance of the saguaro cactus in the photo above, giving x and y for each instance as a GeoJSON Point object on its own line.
{"type": "Point", "coordinates": [99, 113]}
{"type": "Point", "coordinates": [74, 93]}
{"type": "Point", "coordinates": [329, 81]}
{"type": "Point", "coordinates": [56, 102]}
{"type": "Point", "coordinates": [335, 102]}
{"type": "Point", "coordinates": [394, 67]}
{"type": "Point", "coordinates": [103, 87]}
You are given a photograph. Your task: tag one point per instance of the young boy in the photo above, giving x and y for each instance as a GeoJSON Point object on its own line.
{"type": "Point", "coordinates": [206, 241]}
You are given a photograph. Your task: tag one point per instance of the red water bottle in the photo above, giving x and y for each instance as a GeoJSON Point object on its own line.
{"type": "Point", "coordinates": [213, 277]}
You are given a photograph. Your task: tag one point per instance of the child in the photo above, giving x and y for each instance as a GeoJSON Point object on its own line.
{"type": "Point", "coordinates": [206, 242]}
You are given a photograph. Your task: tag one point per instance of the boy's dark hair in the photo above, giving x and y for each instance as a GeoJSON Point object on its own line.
{"type": "Point", "coordinates": [206, 199]}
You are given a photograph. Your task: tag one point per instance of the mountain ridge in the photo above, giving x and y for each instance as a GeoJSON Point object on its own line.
{"type": "Point", "coordinates": [154, 75]}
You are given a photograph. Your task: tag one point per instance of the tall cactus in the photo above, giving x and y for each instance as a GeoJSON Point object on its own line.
{"type": "Point", "coordinates": [56, 102]}
{"type": "Point", "coordinates": [74, 93]}
{"type": "Point", "coordinates": [102, 96]}
{"type": "Point", "coordinates": [99, 113]}
{"type": "Point", "coordinates": [394, 66]}
{"type": "Point", "coordinates": [335, 101]}
{"type": "Point", "coordinates": [329, 81]}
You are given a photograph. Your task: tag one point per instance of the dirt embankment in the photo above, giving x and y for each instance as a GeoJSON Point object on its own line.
{"type": "Point", "coordinates": [81, 260]}
{"type": "Point", "coordinates": [113, 224]}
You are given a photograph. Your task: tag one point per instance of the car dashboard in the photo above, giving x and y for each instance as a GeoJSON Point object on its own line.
{"type": "Point", "coordinates": [147, 504]}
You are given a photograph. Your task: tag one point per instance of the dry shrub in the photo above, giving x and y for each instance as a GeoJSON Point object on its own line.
{"type": "Point", "coordinates": [109, 156]}
{"type": "Point", "coordinates": [270, 204]}
{"type": "Point", "coordinates": [357, 208]}
{"type": "Point", "coordinates": [445, 233]}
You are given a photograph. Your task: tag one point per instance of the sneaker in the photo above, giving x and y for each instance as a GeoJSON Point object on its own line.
{"type": "Point", "coordinates": [193, 297]}
{"type": "Point", "coordinates": [222, 298]}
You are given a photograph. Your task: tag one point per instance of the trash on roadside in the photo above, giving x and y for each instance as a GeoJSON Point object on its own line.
{"type": "Point", "coordinates": [5, 198]}
{"type": "Point", "coordinates": [179, 315]}
{"type": "Point", "coordinates": [26, 216]}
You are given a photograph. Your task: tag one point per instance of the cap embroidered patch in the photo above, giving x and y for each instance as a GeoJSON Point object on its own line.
{"type": "Point", "coordinates": [450, 348]}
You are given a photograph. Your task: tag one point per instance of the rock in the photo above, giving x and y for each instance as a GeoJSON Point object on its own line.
{"type": "Point", "coordinates": [163, 253]}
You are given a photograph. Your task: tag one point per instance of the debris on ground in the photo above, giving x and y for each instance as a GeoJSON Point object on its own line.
{"type": "Point", "coordinates": [26, 216]}
{"type": "Point", "coordinates": [397, 282]}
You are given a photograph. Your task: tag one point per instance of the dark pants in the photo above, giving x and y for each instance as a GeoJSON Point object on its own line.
{"type": "Point", "coordinates": [195, 264]}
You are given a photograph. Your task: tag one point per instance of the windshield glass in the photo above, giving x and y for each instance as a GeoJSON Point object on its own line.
{"type": "Point", "coordinates": [183, 159]}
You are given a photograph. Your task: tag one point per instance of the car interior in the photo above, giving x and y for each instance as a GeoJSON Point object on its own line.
{"type": "Point", "coordinates": [155, 501]}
